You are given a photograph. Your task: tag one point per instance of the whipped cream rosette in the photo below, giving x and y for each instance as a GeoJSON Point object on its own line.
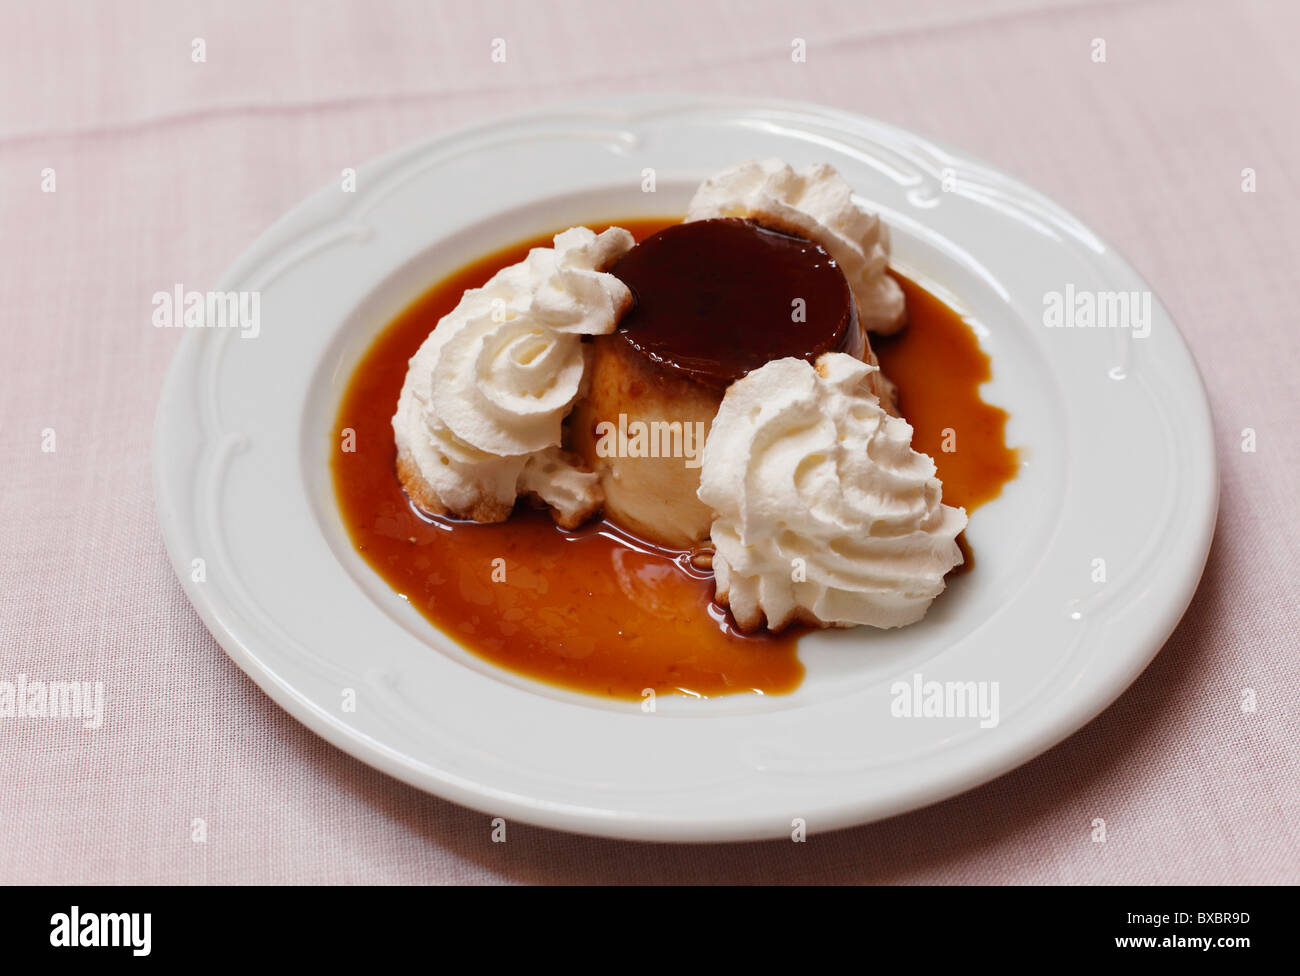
{"type": "Point", "coordinates": [479, 420]}
{"type": "Point", "coordinates": [823, 512]}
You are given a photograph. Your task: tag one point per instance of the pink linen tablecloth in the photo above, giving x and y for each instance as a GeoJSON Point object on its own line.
{"type": "Point", "coordinates": [165, 169]}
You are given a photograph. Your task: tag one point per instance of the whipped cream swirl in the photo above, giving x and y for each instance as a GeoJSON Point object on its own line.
{"type": "Point", "coordinates": [815, 203]}
{"type": "Point", "coordinates": [823, 513]}
{"type": "Point", "coordinates": [480, 414]}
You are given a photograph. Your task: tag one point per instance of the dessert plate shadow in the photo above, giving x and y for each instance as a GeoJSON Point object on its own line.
{"type": "Point", "coordinates": [1084, 563]}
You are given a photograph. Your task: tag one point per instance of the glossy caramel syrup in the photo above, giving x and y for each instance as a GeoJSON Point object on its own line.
{"type": "Point", "coordinates": [938, 366]}
{"type": "Point", "coordinates": [715, 299]}
{"type": "Point", "coordinates": [597, 610]}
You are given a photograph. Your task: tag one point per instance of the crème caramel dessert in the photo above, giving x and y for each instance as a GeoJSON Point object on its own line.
{"type": "Point", "coordinates": [711, 389]}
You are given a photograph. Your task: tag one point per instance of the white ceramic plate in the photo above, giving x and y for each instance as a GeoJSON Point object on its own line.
{"type": "Point", "coordinates": [1114, 429]}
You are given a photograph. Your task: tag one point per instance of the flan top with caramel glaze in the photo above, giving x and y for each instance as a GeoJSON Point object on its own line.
{"type": "Point", "coordinates": [715, 299]}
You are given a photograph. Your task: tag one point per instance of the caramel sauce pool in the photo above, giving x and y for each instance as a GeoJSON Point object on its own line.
{"type": "Point", "coordinates": [937, 365]}
{"type": "Point", "coordinates": [598, 610]}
